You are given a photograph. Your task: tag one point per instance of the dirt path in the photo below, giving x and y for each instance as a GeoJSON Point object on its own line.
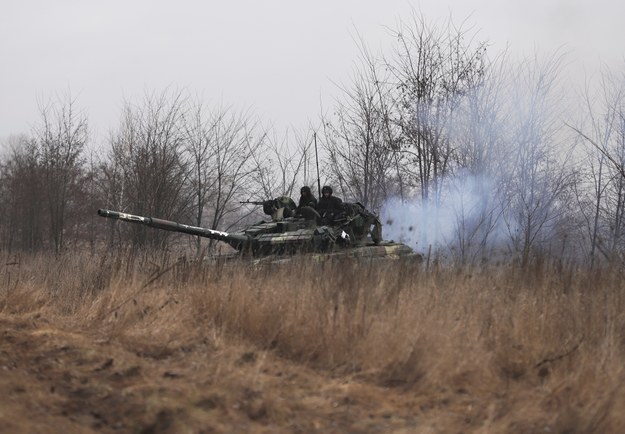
{"type": "Point", "coordinates": [59, 381]}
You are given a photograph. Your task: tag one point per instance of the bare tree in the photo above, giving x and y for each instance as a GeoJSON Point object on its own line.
{"type": "Point", "coordinates": [61, 140]}
{"type": "Point", "coordinates": [539, 177]}
{"type": "Point", "coordinates": [42, 180]}
{"type": "Point", "coordinates": [479, 132]}
{"type": "Point", "coordinates": [21, 188]}
{"type": "Point", "coordinates": [602, 199]}
{"type": "Point", "coordinates": [433, 69]}
{"type": "Point", "coordinates": [224, 147]}
{"type": "Point", "coordinates": [198, 127]}
{"type": "Point", "coordinates": [361, 140]}
{"type": "Point", "coordinates": [145, 172]}
{"type": "Point", "coordinates": [285, 164]}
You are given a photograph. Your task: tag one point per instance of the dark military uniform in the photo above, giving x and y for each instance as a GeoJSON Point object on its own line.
{"type": "Point", "coordinates": [361, 220]}
{"type": "Point", "coordinates": [329, 207]}
{"type": "Point", "coordinates": [307, 198]}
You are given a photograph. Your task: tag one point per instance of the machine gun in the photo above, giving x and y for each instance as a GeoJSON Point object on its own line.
{"type": "Point", "coordinates": [278, 208]}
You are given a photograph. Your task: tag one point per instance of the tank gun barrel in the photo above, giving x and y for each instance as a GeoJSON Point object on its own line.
{"type": "Point", "coordinates": [235, 240]}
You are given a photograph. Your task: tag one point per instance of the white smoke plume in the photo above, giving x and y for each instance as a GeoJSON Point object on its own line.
{"type": "Point", "coordinates": [464, 223]}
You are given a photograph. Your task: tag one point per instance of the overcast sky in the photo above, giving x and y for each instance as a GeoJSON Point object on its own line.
{"type": "Point", "coordinates": [277, 57]}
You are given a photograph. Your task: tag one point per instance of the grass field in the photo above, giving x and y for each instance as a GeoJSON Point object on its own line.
{"type": "Point", "coordinates": [139, 343]}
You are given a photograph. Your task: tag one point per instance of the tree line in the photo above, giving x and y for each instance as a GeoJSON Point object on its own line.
{"type": "Point", "coordinates": [171, 157]}
{"type": "Point", "coordinates": [475, 154]}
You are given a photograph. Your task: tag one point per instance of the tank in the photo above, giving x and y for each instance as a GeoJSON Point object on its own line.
{"type": "Point", "coordinates": [355, 232]}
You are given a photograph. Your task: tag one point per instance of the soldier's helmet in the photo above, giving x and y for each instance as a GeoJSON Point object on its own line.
{"type": "Point", "coordinates": [326, 189]}
{"type": "Point", "coordinates": [305, 190]}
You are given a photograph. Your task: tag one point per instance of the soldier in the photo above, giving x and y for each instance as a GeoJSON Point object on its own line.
{"type": "Point", "coordinates": [361, 220]}
{"type": "Point", "coordinates": [307, 205]}
{"type": "Point", "coordinates": [307, 198]}
{"type": "Point", "coordinates": [329, 207]}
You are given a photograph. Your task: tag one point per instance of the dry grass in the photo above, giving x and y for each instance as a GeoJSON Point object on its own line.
{"type": "Point", "coordinates": [484, 350]}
